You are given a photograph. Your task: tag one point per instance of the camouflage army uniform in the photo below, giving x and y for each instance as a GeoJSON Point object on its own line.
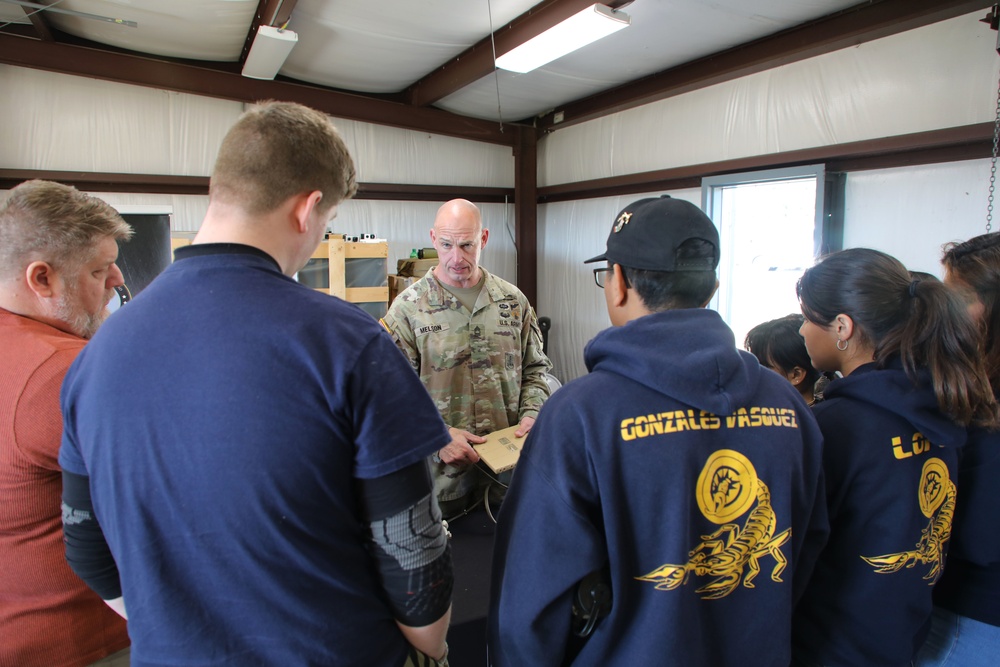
{"type": "Point", "coordinates": [484, 370]}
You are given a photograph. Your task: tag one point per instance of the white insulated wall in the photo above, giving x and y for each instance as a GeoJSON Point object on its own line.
{"type": "Point", "coordinates": [909, 213]}
{"type": "Point", "coordinates": [69, 123]}
{"type": "Point", "coordinates": [940, 76]}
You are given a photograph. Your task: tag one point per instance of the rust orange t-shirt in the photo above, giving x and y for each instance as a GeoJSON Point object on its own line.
{"type": "Point", "coordinates": [48, 616]}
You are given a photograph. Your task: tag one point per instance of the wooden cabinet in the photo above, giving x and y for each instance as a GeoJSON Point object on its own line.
{"type": "Point", "coordinates": [354, 271]}
{"type": "Point", "coordinates": [178, 241]}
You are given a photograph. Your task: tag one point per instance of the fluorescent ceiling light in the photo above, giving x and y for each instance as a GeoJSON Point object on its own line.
{"type": "Point", "coordinates": [584, 27]}
{"type": "Point", "coordinates": [267, 54]}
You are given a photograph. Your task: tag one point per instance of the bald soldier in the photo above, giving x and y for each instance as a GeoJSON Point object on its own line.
{"type": "Point", "coordinates": [474, 340]}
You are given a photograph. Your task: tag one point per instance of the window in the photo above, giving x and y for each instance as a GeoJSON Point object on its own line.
{"type": "Point", "coordinates": [772, 226]}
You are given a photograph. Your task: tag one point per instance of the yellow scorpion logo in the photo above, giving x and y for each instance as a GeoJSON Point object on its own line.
{"type": "Point", "coordinates": [937, 502]}
{"type": "Point", "coordinates": [727, 487]}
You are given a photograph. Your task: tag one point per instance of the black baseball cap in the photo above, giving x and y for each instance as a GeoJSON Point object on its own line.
{"type": "Point", "coordinates": [647, 233]}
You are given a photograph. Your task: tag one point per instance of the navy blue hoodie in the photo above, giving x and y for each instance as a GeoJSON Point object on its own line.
{"type": "Point", "coordinates": [890, 458]}
{"type": "Point", "coordinates": [688, 470]}
{"type": "Point", "coordinates": [970, 585]}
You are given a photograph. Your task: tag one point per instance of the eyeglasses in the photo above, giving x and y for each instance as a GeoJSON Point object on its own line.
{"type": "Point", "coordinates": [599, 275]}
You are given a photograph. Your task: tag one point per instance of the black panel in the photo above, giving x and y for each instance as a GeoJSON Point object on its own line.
{"type": "Point", "coordinates": [148, 252]}
{"type": "Point", "coordinates": [835, 196]}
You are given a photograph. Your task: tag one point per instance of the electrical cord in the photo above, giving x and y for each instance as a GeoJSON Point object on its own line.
{"type": "Point", "coordinates": [27, 14]}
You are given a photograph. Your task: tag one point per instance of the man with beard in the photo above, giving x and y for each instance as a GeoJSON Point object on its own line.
{"type": "Point", "coordinates": [58, 248]}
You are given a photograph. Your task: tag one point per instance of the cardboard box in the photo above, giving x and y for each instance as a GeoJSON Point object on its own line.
{"type": "Point", "coordinates": [501, 450]}
{"type": "Point", "coordinates": [399, 283]}
{"type": "Point", "coordinates": [414, 267]}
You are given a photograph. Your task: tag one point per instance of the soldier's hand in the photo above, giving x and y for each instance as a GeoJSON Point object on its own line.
{"type": "Point", "coordinates": [459, 450]}
{"type": "Point", "coordinates": [524, 427]}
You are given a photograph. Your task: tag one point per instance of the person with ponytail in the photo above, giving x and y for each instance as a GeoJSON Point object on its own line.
{"type": "Point", "coordinates": [966, 624]}
{"type": "Point", "coordinates": [913, 382]}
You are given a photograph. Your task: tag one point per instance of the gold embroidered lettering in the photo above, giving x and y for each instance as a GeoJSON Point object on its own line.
{"type": "Point", "coordinates": [626, 428]}
{"type": "Point", "coordinates": [709, 421]}
{"type": "Point", "coordinates": [897, 449]}
{"type": "Point", "coordinates": [641, 427]}
{"type": "Point", "coordinates": [668, 422]}
{"type": "Point", "coordinates": [921, 444]}
{"type": "Point", "coordinates": [682, 423]}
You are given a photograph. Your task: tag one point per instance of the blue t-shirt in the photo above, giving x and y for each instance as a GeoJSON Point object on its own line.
{"type": "Point", "coordinates": [222, 418]}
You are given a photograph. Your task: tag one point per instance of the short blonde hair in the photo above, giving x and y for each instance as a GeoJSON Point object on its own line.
{"type": "Point", "coordinates": [55, 223]}
{"type": "Point", "coordinates": [280, 149]}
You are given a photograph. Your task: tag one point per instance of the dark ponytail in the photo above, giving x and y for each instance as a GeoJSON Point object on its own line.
{"type": "Point", "coordinates": [976, 263]}
{"type": "Point", "coordinates": [921, 321]}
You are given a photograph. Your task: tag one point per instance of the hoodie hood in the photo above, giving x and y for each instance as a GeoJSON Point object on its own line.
{"type": "Point", "coordinates": [689, 355]}
{"type": "Point", "coordinates": [891, 389]}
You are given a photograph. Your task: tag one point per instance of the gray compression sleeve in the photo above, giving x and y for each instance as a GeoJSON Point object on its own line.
{"type": "Point", "coordinates": [409, 544]}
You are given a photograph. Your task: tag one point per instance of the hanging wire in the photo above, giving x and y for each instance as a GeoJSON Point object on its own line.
{"type": "Point", "coordinates": [993, 18]}
{"type": "Point", "coordinates": [506, 223]}
{"type": "Point", "coordinates": [27, 14]}
{"type": "Point", "coordinates": [510, 231]}
{"type": "Point", "coordinates": [496, 72]}
{"type": "Point", "coordinates": [993, 166]}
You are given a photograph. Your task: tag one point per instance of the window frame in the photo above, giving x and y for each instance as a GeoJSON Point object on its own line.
{"type": "Point", "coordinates": [828, 221]}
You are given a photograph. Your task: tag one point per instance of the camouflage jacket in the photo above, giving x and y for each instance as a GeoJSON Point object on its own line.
{"type": "Point", "coordinates": [484, 370]}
